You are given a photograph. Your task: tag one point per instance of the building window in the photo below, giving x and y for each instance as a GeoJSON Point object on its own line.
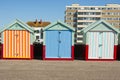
{"type": "Point", "coordinates": [69, 18]}
{"type": "Point", "coordinates": [69, 8]}
{"type": "Point", "coordinates": [92, 8]}
{"type": "Point", "coordinates": [79, 8]}
{"type": "Point", "coordinates": [86, 8]}
{"type": "Point", "coordinates": [79, 38]}
{"type": "Point", "coordinates": [79, 33]}
{"type": "Point", "coordinates": [80, 18]}
{"type": "Point", "coordinates": [36, 31]}
{"type": "Point", "coordinates": [80, 13]}
{"type": "Point", "coordinates": [103, 8]}
{"type": "Point", "coordinates": [79, 28]}
{"type": "Point", "coordinates": [69, 13]}
{"type": "Point", "coordinates": [41, 34]}
{"type": "Point", "coordinates": [74, 18]}
{"type": "Point", "coordinates": [37, 37]}
{"type": "Point", "coordinates": [80, 23]}
{"type": "Point", "coordinates": [98, 13]}
{"type": "Point", "coordinates": [103, 13]}
{"type": "Point", "coordinates": [109, 8]}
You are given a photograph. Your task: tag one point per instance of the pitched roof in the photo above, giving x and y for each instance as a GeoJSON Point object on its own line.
{"type": "Point", "coordinates": [94, 24]}
{"type": "Point", "coordinates": [38, 24]}
{"type": "Point", "coordinates": [59, 22]}
{"type": "Point", "coordinates": [19, 22]}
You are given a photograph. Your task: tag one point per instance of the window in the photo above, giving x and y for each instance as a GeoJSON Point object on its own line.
{"type": "Point", "coordinates": [108, 13]}
{"type": "Point", "coordinates": [80, 23]}
{"type": "Point", "coordinates": [103, 13]}
{"type": "Point", "coordinates": [86, 8]}
{"type": "Point", "coordinates": [92, 8]}
{"type": "Point", "coordinates": [79, 8]}
{"type": "Point", "coordinates": [68, 8]}
{"type": "Point", "coordinates": [80, 18]}
{"type": "Point", "coordinates": [79, 33]}
{"type": "Point", "coordinates": [99, 8]}
{"type": "Point", "coordinates": [69, 13]}
{"type": "Point", "coordinates": [109, 8]}
{"type": "Point", "coordinates": [68, 18]}
{"type": "Point", "coordinates": [36, 31]}
{"type": "Point", "coordinates": [74, 18]}
{"type": "Point", "coordinates": [79, 38]}
{"type": "Point", "coordinates": [79, 28]}
{"type": "Point", "coordinates": [41, 34]}
{"type": "Point", "coordinates": [37, 37]}
{"type": "Point", "coordinates": [74, 8]}
{"type": "Point", "coordinates": [98, 13]}
{"type": "Point", "coordinates": [92, 13]}
{"type": "Point", "coordinates": [80, 13]}
{"type": "Point", "coordinates": [97, 18]}
{"type": "Point", "coordinates": [103, 8]}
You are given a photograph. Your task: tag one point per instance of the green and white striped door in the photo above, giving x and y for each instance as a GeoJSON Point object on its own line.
{"type": "Point", "coordinates": [101, 45]}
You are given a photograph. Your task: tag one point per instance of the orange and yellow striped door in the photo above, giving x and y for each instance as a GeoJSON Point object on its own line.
{"type": "Point", "coordinates": [16, 44]}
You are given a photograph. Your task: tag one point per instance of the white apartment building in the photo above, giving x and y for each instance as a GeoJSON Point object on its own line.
{"type": "Point", "coordinates": [81, 16]}
{"type": "Point", "coordinates": [38, 34]}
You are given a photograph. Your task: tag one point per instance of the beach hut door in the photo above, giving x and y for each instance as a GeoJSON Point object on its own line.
{"type": "Point", "coordinates": [101, 45]}
{"type": "Point", "coordinates": [58, 44]}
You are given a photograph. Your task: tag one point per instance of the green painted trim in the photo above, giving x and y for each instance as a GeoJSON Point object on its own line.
{"type": "Point", "coordinates": [87, 38]}
{"type": "Point", "coordinates": [16, 26]}
{"type": "Point", "coordinates": [44, 38]}
{"type": "Point", "coordinates": [72, 38]}
{"type": "Point", "coordinates": [84, 38]}
{"type": "Point", "coordinates": [20, 23]}
{"type": "Point", "coordinates": [61, 24]}
{"type": "Point", "coordinates": [91, 26]}
{"type": "Point", "coordinates": [32, 38]}
{"type": "Point", "coordinates": [116, 39]}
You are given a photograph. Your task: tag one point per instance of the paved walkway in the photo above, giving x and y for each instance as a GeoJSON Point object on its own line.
{"type": "Point", "coordinates": [59, 70]}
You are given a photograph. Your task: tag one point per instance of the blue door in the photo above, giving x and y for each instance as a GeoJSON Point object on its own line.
{"type": "Point", "coordinates": [65, 45]}
{"type": "Point", "coordinates": [51, 44]}
{"type": "Point", "coordinates": [58, 44]}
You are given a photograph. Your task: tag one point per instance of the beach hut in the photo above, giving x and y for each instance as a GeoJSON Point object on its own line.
{"type": "Point", "coordinates": [58, 42]}
{"type": "Point", "coordinates": [101, 40]}
{"type": "Point", "coordinates": [17, 41]}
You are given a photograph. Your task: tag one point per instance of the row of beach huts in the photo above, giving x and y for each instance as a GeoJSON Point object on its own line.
{"type": "Point", "coordinates": [101, 41]}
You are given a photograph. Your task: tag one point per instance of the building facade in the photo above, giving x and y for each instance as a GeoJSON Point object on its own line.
{"type": "Point", "coordinates": [38, 29]}
{"type": "Point", "coordinates": [81, 16]}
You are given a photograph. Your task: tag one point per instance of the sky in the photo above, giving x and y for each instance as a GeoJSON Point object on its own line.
{"type": "Point", "coordinates": [47, 10]}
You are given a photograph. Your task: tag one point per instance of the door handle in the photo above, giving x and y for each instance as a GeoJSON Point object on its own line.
{"type": "Point", "coordinates": [59, 41]}
{"type": "Point", "coordinates": [100, 45]}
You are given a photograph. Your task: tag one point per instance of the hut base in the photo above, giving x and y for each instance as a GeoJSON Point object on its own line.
{"type": "Point", "coordinates": [72, 55]}
{"type": "Point", "coordinates": [114, 55]}
{"type": "Point", "coordinates": [31, 54]}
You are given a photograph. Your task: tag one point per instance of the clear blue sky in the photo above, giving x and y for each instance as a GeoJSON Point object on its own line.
{"type": "Point", "coordinates": [47, 10]}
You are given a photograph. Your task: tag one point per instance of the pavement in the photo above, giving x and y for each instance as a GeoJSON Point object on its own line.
{"type": "Point", "coordinates": [59, 70]}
